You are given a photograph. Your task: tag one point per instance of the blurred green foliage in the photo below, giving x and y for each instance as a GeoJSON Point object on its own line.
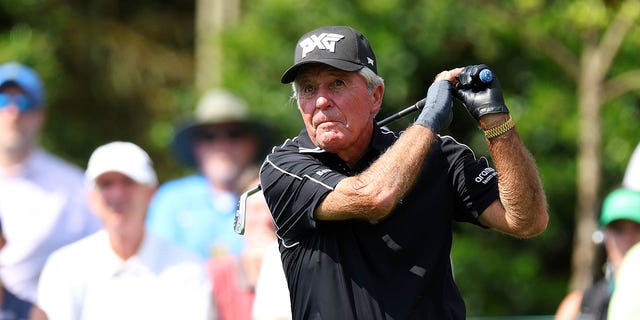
{"type": "Point", "coordinates": [124, 70]}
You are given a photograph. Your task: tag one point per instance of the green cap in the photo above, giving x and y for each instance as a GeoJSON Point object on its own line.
{"type": "Point", "coordinates": [621, 204]}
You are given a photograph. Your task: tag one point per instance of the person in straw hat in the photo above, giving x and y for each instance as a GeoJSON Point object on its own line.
{"type": "Point", "coordinates": [222, 143]}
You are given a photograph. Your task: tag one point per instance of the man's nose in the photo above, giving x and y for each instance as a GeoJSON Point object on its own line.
{"type": "Point", "coordinates": [323, 99]}
{"type": "Point", "coordinates": [11, 109]}
{"type": "Point", "coordinates": [322, 102]}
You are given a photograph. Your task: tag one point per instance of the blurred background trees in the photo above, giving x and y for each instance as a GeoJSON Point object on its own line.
{"type": "Point", "coordinates": [131, 70]}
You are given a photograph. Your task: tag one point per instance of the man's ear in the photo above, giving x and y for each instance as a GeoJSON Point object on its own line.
{"type": "Point", "coordinates": [376, 99]}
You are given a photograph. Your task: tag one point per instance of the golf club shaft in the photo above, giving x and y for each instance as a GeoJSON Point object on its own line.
{"type": "Point", "coordinates": [240, 217]}
{"type": "Point", "coordinates": [417, 106]}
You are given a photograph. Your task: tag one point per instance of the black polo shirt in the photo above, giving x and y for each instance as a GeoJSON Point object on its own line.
{"type": "Point", "coordinates": [396, 268]}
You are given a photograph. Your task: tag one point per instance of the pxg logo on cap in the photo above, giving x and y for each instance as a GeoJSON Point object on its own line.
{"type": "Point", "coordinates": [341, 47]}
{"type": "Point", "coordinates": [325, 41]}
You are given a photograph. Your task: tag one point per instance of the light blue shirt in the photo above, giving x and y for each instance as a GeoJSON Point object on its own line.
{"type": "Point", "coordinates": [190, 213]}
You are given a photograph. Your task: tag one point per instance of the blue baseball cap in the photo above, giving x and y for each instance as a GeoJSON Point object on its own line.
{"type": "Point", "coordinates": [24, 77]}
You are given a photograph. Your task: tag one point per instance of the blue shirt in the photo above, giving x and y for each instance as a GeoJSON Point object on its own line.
{"type": "Point", "coordinates": [190, 213]}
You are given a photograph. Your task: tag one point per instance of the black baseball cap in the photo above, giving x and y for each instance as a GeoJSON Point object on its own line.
{"type": "Point", "coordinates": [341, 47]}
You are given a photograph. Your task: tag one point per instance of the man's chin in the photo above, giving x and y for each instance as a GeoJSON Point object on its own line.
{"type": "Point", "coordinates": [13, 145]}
{"type": "Point", "coordinates": [331, 146]}
{"type": "Point", "coordinates": [225, 177]}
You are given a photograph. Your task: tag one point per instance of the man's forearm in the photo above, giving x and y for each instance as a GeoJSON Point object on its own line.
{"type": "Point", "coordinates": [521, 192]}
{"type": "Point", "coordinates": [374, 193]}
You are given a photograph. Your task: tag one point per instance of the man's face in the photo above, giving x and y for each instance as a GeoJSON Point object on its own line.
{"type": "Point", "coordinates": [620, 236]}
{"type": "Point", "coordinates": [337, 108]}
{"type": "Point", "coordinates": [224, 151]}
{"type": "Point", "coordinates": [18, 129]}
{"type": "Point", "coordinates": [120, 202]}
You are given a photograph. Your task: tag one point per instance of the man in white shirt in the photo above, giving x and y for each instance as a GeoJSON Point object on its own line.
{"type": "Point", "coordinates": [123, 271]}
{"type": "Point", "coordinates": [42, 197]}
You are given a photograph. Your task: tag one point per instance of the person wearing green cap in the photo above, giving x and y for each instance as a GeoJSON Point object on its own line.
{"type": "Point", "coordinates": [624, 302]}
{"type": "Point", "coordinates": [620, 218]}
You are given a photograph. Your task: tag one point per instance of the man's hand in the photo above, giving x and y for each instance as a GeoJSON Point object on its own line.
{"type": "Point", "coordinates": [479, 98]}
{"type": "Point", "coordinates": [437, 112]}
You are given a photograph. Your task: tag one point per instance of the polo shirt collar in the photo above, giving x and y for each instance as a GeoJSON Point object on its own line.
{"type": "Point", "coordinates": [138, 263]}
{"type": "Point", "coordinates": [381, 140]}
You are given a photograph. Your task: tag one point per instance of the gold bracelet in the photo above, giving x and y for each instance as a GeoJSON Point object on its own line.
{"type": "Point", "coordinates": [501, 129]}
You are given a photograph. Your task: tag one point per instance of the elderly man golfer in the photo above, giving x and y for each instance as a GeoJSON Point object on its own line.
{"type": "Point", "coordinates": [364, 215]}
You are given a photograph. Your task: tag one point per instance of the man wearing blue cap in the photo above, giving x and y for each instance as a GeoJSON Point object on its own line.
{"type": "Point", "coordinates": [42, 203]}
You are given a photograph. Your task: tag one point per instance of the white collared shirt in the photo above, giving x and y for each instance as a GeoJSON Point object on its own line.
{"type": "Point", "coordinates": [42, 207]}
{"type": "Point", "coordinates": [86, 280]}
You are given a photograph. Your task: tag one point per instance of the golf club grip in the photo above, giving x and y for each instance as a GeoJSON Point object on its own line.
{"type": "Point", "coordinates": [477, 81]}
{"type": "Point", "coordinates": [485, 75]}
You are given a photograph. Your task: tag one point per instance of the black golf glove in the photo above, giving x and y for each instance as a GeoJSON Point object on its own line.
{"type": "Point", "coordinates": [437, 112]}
{"type": "Point", "coordinates": [479, 98]}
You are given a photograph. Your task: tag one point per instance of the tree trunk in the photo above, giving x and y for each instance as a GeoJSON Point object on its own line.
{"type": "Point", "coordinates": [589, 163]}
{"type": "Point", "coordinates": [212, 16]}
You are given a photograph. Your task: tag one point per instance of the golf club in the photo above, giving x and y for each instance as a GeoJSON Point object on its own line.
{"type": "Point", "coordinates": [485, 76]}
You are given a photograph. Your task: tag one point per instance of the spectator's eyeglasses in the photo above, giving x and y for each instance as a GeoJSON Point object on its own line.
{"type": "Point", "coordinates": [20, 100]}
{"type": "Point", "coordinates": [227, 134]}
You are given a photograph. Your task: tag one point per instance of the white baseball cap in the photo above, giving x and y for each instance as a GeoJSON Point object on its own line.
{"type": "Point", "coordinates": [123, 157]}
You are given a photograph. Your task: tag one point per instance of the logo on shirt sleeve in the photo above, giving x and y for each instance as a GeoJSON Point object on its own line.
{"type": "Point", "coordinates": [486, 175]}
{"type": "Point", "coordinates": [323, 171]}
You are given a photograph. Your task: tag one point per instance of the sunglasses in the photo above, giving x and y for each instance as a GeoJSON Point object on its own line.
{"type": "Point", "coordinates": [23, 103]}
{"type": "Point", "coordinates": [213, 135]}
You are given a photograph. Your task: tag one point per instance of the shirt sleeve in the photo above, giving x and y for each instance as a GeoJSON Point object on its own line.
{"type": "Point", "coordinates": [475, 182]}
{"type": "Point", "coordinates": [294, 184]}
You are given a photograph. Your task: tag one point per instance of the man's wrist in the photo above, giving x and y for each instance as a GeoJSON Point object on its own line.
{"type": "Point", "coordinates": [500, 129]}
{"type": "Point", "coordinates": [492, 120]}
